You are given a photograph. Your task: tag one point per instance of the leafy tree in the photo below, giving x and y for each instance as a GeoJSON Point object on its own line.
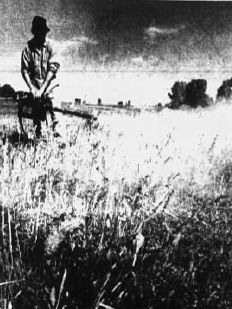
{"type": "Point", "coordinates": [7, 91]}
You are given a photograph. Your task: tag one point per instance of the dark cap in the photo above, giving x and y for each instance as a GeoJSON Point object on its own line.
{"type": "Point", "coordinates": [39, 25]}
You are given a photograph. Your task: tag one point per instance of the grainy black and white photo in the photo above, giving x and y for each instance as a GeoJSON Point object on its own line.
{"type": "Point", "coordinates": [115, 154]}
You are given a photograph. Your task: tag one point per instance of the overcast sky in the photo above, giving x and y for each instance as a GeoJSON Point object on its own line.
{"type": "Point", "coordinates": [137, 33]}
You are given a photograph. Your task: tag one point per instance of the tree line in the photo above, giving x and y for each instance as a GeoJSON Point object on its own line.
{"type": "Point", "coordinates": [6, 91]}
{"type": "Point", "coordinates": [191, 93]}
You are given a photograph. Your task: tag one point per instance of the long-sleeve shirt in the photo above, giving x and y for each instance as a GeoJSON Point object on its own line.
{"type": "Point", "coordinates": [37, 62]}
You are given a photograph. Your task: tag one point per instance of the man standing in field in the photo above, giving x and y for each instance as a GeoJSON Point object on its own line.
{"type": "Point", "coordinates": [39, 66]}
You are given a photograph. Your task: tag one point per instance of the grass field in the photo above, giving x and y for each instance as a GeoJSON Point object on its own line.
{"type": "Point", "coordinates": [134, 212]}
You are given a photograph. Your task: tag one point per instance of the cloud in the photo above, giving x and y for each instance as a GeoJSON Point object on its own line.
{"type": "Point", "coordinates": [69, 50]}
{"type": "Point", "coordinates": [68, 53]}
{"type": "Point", "coordinates": [140, 61]}
{"type": "Point", "coordinates": [78, 41]}
{"type": "Point", "coordinates": [86, 40]}
{"type": "Point", "coordinates": [153, 31]}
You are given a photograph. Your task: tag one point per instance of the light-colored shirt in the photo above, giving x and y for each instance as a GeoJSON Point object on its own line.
{"type": "Point", "coordinates": [37, 62]}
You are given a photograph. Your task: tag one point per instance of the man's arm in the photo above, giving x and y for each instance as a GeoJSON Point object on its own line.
{"type": "Point", "coordinates": [50, 76]}
{"type": "Point", "coordinates": [53, 67]}
{"type": "Point", "coordinates": [25, 71]}
{"type": "Point", "coordinates": [27, 79]}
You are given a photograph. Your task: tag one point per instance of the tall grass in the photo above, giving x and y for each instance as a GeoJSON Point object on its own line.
{"type": "Point", "coordinates": [133, 213]}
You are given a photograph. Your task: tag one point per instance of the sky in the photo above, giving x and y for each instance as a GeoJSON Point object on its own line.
{"type": "Point", "coordinates": [140, 35]}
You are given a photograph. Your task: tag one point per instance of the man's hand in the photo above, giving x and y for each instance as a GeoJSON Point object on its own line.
{"type": "Point", "coordinates": [37, 93]}
{"type": "Point", "coordinates": [33, 91]}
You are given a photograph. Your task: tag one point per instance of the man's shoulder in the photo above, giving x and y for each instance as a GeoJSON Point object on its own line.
{"type": "Point", "coordinates": [29, 46]}
{"type": "Point", "coordinates": [50, 44]}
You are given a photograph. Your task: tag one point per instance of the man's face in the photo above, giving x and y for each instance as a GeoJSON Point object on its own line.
{"type": "Point", "coordinates": [40, 37]}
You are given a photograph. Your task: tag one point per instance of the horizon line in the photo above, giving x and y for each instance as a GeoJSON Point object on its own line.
{"type": "Point", "coordinates": [130, 71]}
